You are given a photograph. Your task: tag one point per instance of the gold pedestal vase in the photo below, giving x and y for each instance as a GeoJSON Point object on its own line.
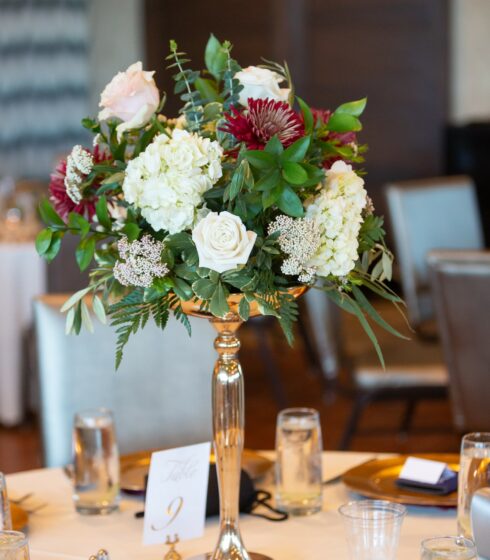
{"type": "Point", "coordinates": [229, 425]}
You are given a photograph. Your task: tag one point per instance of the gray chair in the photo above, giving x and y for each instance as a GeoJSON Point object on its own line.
{"type": "Point", "coordinates": [161, 395]}
{"type": "Point", "coordinates": [461, 289]}
{"type": "Point", "coordinates": [438, 213]}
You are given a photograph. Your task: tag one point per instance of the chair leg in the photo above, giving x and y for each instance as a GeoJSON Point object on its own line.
{"type": "Point", "coordinates": [360, 403]}
{"type": "Point", "coordinates": [407, 418]}
{"type": "Point", "coordinates": [270, 363]}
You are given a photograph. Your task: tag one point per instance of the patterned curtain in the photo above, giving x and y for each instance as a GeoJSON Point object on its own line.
{"type": "Point", "coordinates": [44, 83]}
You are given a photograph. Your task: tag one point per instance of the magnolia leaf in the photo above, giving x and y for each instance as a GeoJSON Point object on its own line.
{"type": "Point", "coordinates": [297, 151]}
{"type": "Point", "coordinates": [260, 159]}
{"type": "Point", "coordinates": [99, 310]}
{"type": "Point", "coordinates": [103, 213]}
{"type": "Point", "coordinates": [131, 231]}
{"type": "Point", "coordinates": [85, 252]}
{"type": "Point", "coordinates": [54, 246]}
{"type": "Point", "coordinates": [354, 108]}
{"type": "Point", "coordinates": [343, 122]}
{"type": "Point", "coordinates": [307, 115]}
{"type": "Point", "coordinates": [215, 57]}
{"type": "Point", "coordinates": [290, 203]}
{"type": "Point", "coordinates": [43, 241]}
{"type": "Point", "coordinates": [294, 173]}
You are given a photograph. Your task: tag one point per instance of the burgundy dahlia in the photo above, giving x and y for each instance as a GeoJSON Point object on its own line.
{"type": "Point", "coordinates": [60, 199]}
{"type": "Point", "coordinates": [264, 119]}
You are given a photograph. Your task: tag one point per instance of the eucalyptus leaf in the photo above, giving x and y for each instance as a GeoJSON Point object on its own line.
{"type": "Point", "coordinates": [208, 90]}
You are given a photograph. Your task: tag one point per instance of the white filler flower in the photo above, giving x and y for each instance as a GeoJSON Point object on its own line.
{"type": "Point", "coordinates": [337, 212]}
{"type": "Point", "coordinates": [222, 241]}
{"type": "Point", "coordinates": [168, 180]}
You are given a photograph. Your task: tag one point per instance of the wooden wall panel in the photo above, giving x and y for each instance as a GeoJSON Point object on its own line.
{"type": "Point", "coordinates": [393, 51]}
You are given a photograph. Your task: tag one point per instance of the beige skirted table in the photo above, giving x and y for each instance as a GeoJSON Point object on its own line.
{"type": "Point", "coordinates": [57, 531]}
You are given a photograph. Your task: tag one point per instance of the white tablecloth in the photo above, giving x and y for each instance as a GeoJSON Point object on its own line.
{"type": "Point", "coordinates": [22, 277]}
{"type": "Point", "coordinates": [59, 532]}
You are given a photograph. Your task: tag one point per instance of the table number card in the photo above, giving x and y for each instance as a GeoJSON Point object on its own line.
{"type": "Point", "coordinates": [422, 470]}
{"type": "Point", "coordinates": [176, 493]}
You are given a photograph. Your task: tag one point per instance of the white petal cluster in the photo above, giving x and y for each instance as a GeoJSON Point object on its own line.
{"type": "Point", "coordinates": [78, 165]}
{"type": "Point", "coordinates": [168, 180]}
{"type": "Point", "coordinates": [337, 212]}
{"type": "Point", "coordinates": [141, 262]}
{"type": "Point", "coordinates": [299, 239]}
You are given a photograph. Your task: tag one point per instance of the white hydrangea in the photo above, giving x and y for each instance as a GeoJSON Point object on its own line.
{"type": "Point", "coordinates": [337, 212]}
{"type": "Point", "coordinates": [168, 180]}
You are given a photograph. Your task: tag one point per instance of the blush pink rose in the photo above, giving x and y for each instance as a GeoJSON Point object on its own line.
{"type": "Point", "coordinates": [131, 96]}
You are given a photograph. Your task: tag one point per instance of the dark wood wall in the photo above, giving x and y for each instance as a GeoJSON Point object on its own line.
{"type": "Point", "coordinates": [393, 51]}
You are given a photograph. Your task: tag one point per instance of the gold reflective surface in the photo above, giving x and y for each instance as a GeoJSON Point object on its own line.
{"type": "Point", "coordinates": [19, 517]}
{"type": "Point", "coordinates": [377, 479]}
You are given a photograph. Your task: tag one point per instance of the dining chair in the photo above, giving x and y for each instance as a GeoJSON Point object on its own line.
{"type": "Point", "coordinates": [461, 288]}
{"type": "Point", "coordinates": [160, 396]}
{"type": "Point", "coordinates": [426, 214]}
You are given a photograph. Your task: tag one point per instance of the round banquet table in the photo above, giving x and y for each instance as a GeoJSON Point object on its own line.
{"type": "Point", "coordinates": [57, 531]}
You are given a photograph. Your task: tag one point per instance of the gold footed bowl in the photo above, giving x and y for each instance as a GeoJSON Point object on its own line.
{"type": "Point", "coordinates": [229, 424]}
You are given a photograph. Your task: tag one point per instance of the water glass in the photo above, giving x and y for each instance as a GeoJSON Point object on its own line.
{"type": "Point", "coordinates": [474, 473]}
{"type": "Point", "coordinates": [299, 461]}
{"type": "Point", "coordinates": [96, 463]}
{"type": "Point", "coordinates": [13, 546]}
{"type": "Point", "coordinates": [372, 528]}
{"type": "Point", "coordinates": [5, 517]}
{"type": "Point", "coordinates": [448, 548]}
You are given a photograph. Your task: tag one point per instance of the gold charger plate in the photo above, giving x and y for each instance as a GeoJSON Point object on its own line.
{"type": "Point", "coordinates": [135, 466]}
{"type": "Point", "coordinates": [377, 479]}
{"type": "Point", "coordinates": [20, 517]}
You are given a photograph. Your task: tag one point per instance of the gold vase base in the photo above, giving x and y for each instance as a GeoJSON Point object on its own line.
{"type": "Point", "coordinates": [253, 556]}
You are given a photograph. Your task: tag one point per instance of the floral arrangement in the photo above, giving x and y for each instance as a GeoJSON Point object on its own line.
{"type": "Point", "coordinates": [249, 190]}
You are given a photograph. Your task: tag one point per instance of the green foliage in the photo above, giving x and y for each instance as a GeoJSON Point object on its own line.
{"type": "Point", "coordinates": [371, 232]}
{"type": "Point", "coordinates": [185, 80]}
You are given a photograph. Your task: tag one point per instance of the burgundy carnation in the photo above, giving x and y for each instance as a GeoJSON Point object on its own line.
{"type": "Point", "coordinates": [264, 119]}
{"type": "Point", "coordinates": [58, 196]}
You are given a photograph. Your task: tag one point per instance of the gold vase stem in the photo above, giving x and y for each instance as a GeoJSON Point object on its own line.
{"type": "Point", "coordinates": [228, 430]}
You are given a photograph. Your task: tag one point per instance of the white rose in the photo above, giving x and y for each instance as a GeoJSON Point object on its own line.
{"type": "Point", "coordinates": [260, 83]}
{"type": "Point", "coordinates": [222, 241]}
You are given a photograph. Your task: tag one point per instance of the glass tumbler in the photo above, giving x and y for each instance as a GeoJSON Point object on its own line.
{"type": "Point", "coordinates": [372, 528]}
{"type": "Point", "coordinates": [5, 516]}
{"type": "Point", "coordinates": [13, 546]}
{"type": "Point", "coordinates": [474, 473]}
{"type": "Point", "coordinates": [299, 461]}
{"type": "Point", "coordinates": [448, 548]}
{"type": "Point", "coordinates": [96, 463]}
